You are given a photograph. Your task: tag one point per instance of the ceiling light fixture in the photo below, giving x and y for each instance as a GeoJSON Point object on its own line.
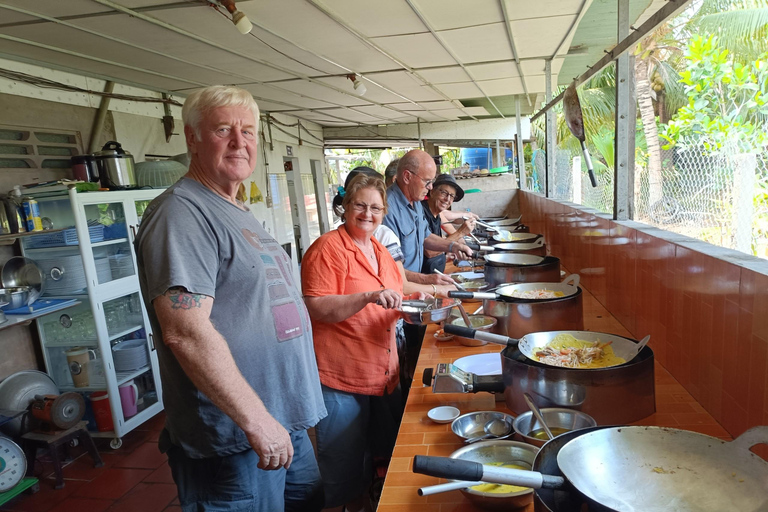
{"type": "Point", "coordinates": [359, 86]}
{"type": "Point", "coordinates": [240, 20]}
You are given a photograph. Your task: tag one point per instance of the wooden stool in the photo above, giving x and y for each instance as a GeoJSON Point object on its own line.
{"type": "Point", "coordinates": [32, 440]}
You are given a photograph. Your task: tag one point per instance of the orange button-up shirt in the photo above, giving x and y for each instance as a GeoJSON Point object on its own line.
{"type": "Point", "coordinates": [359, 354]}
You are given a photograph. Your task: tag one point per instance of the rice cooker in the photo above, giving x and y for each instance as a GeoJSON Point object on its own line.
{"type": "Point", "coordinates": [116, 168]}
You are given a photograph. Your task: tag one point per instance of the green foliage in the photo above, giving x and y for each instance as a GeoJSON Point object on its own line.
{"type": "Point", "coordinates": [727, 100]}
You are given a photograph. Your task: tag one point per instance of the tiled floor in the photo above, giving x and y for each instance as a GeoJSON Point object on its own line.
{"type": "Point", "coordinates": [135, 478]}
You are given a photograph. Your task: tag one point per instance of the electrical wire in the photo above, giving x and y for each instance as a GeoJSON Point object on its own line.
{"type": "Point", "coordinates": [50, 84]}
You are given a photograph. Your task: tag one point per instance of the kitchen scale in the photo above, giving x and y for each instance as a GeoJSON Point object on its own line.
{"type": "Point", "coordinates": [13, 467]}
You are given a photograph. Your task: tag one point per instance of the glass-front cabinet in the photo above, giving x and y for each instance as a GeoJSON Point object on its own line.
{"type": "Point", "coordinates": [103, 348]}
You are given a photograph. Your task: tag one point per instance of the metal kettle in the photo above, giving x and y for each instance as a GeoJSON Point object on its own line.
{"type": "Point", "coordinates": [116, 167]}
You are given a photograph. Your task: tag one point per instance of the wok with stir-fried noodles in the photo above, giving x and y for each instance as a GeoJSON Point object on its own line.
{"type": "Point", "coordinates": [568, 352]}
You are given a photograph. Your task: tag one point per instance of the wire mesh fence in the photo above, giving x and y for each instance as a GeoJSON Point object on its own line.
{"type": "Point", "coordinates": [720, 198]}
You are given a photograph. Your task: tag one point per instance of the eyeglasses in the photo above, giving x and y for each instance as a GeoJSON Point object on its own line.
{"type": "Point", "coordinates": [446, 194]}
{"type": "Point", "coordinates": [362, 208]}
{"type": "Point", "coordinates": [427, 183]}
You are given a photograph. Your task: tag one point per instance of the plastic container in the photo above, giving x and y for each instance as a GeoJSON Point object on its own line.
{"type": "Point", "coordinates": [101, 411]}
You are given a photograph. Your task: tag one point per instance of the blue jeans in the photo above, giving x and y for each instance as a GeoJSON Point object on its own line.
{"type": "Point", "coordinates": [357, 428]}
{"type": "Point", "coordinates": [235, 483]}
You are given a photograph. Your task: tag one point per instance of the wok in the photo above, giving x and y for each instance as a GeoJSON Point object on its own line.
{"type": "Point", "coordinates": [506, 292]}
{"type": "Point", "coordinates": [648, 469]}
{"type": "Point", "coordinates": [528, 345]}
{"type": "Point", "coordinates": [575, 122]}
{"type": "Point", "coordinates": [516, 237]}
{"type": "Point", "coordinates": [507, 259]}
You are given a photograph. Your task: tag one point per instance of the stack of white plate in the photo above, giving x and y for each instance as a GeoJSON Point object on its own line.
{"type": "Point", "coordinates": [121, 265]}
{"type": "Point", "coordinates": [63, 275]}
{"type": "Point", "coordinates": [130, 355]}
{"type": "Point", "coordinates": [103, 270]}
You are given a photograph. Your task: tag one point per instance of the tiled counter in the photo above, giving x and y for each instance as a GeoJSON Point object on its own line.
{"type": "Point", "coordinates": [418, 435]}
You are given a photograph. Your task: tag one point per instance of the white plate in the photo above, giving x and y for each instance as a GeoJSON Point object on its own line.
{"type": "Point", "coordinates": [469, 276]}
{"type": "Point", "coordinates": [443, 414]}
{"type": "Point", "coordinates": [480, 364]}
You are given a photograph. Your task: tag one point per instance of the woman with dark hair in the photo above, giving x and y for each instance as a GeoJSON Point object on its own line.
{"type": "Point", "coordinates": [341, 191]}
{"type": "Point", "coordinates": [352, 288]}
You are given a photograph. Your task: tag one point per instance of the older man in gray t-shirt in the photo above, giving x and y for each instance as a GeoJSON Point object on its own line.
{"type": "Point", "coordinates": [234, 340]}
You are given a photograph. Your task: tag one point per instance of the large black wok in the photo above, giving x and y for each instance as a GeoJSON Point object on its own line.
{"type": "Point", "coordinates": [633, 469]}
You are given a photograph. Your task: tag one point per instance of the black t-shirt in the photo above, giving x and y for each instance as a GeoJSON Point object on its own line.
{"type": "Point", "coordinates": [429, 265]}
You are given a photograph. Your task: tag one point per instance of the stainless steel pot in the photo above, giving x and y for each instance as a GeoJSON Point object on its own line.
{"type": "Point", "coordinates": [546, 270]}
{"type": "Point", "coordinates": [518, 318]}
{"type": "Point", "coordinates": [116, 167]}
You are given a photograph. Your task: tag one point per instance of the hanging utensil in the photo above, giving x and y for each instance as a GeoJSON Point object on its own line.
{"type": "Point", "coordinates": [575, 122]}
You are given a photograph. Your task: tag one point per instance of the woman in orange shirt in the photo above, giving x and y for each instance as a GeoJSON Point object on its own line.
{"type": "Point", "coordinates": [352, 288]}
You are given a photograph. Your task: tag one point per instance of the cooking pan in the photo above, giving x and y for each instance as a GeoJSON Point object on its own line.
{"type": "Point", "coordinates": [503, 222]}
{"type": "Point", "coordinates": [633, 469]}
{"type": "Point", "coordinates": [504, 259]}
{"type": "Point", "coordinates": [529, 344]}
{"type": "Point", "coordinates": [506, 292]}
{"type": "Point", "coordinates": [575, 122]}
{"type": "Point", "coordinates": [517, 237]}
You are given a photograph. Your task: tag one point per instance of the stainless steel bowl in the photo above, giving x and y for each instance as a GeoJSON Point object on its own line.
{"type": "Point", "coordinates": [20, 271]}
{"type": "Point", "coordinates": [471, 424]}
{"type": "Point", "coordinates": [479, 322]}
{"type": "Point", "coordinates": [13, 298]}
{"type": "Point", "coordinates": [505, 452]}
{"type": "Point", "coordinates": [435, 311]}
{"type": "Point", "coordinates": [567, 419]}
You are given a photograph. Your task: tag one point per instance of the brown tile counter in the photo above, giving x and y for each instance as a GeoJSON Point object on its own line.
{"type": "Point", "coordinates": [418, 435]}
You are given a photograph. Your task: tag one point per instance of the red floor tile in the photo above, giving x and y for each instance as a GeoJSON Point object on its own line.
{"type": "Point", "coordinates": [44, 499]}
{"type": "Point", "coordinates": [82, 505]}
{"type": "Point", "coordinates": [146, 456]}
{"type": "Point", "coordinates": [112, 483]}
{"type": "Point", "coordinates": [161, 475]}
{"type": "Point", "coordinates": [146, 498]}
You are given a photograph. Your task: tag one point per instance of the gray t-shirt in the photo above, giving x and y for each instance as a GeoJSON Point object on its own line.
{"type": "Point", "coordinates": [192, 237]}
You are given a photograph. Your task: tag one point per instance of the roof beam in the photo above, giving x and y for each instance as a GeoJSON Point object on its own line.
{"type": "Point", "coordinates": [671, 8]}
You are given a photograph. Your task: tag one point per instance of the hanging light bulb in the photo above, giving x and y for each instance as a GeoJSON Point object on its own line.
{"type": "Point", "coordinates": [358, 85]}
{"type": "Point", "coordinates": [241, 21]}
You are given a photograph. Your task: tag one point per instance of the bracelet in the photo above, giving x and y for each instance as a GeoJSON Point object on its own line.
{"type": "Point", "coordinates": [434, 291]}
{"type": "Point", "coordinates": [450, 247]}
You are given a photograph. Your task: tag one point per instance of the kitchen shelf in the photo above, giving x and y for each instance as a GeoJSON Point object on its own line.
{"type": "Point", "coordinates": [94, 343]}
{"type": "Point", "coordinates": [123, 377]}
{"type": "Point", "coordinates": [109, 242]}
{"type": "Point", "coordinates": [135, 328]}
{"type": "Point", "coordinates": [10, 238]}
{"type": "Point", "coordinates": [25, 319]}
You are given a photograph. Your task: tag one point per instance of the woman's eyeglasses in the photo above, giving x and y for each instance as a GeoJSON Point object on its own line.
{"type": "Point", "coordinates": [362, 208]}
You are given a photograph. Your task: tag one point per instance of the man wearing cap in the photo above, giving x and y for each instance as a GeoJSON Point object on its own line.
{"type": "Point", "coordinates": [437, 211]}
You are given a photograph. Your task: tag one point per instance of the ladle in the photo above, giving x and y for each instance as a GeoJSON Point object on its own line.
{"type": "Point", "coordinates": [458, 285]}
{"type": "Point", "coordinates": [495, 427]}
{"type": "Point", "coordinates": [536, 412]}
{"type": "Point", "coordinates": [464, 315]}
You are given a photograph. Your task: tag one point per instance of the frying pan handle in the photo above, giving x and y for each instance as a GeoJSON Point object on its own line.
{"type": "Point", "coordinates": [752, 437]}
{"type": "Point", "coordinates": [588, 161]}
{"type": "Point", "coordinates": [457, 469]}
{"type": "Point", "coordinates": [461, 295]}
{"type": "Point", "coordinates": [479, 335]}
{"type": "Point", "coordinates": [472, 245]}
{"type": "Point", "coordinates": [445, 467]}
{"type": "Point", "coordinates": [458, 330]}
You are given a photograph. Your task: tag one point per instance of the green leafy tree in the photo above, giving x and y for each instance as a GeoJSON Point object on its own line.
{"type": "Point", "coordinates": [727, 100]}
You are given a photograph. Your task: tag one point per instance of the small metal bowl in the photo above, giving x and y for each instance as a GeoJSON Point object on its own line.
{"type": "Point", "coordinates": [479, 322]}
{"type": "Point", "coordinates": [471, 424]}
{"type": "Point", "coordinates": [506, 452]}
{"type": "Point", "coordinates": [435, 311]}
{"type": "Point", "coordinates": [14, 298]}
{"type": "Point", "coordinates": [568, 419]}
